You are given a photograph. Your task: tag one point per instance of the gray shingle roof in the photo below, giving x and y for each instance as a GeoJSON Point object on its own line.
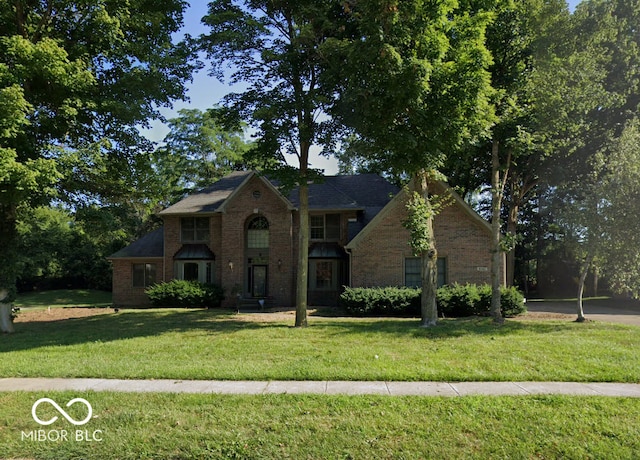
{"type": "Point", "coordinates": [335, 192]}
{"type": "Point", "coordinates": [366, 193]}
{"type": "Point", "coordinates": [348, 192]}
{"type": "Point", "coordinates": [150, 245]}
{"type": "Point", "coordinates": [211, 198]}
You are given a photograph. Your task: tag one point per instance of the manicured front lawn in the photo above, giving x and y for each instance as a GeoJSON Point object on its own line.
{"type": "Point", "coordinates": [169, 426]}
{"type": "Point", "coordinates": [64, 298]}
{"type": "Point", "coordinates": [209, 344]}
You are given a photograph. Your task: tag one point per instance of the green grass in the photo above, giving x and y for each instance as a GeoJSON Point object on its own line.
{"type": "Point", "coordinates": [209, 344]}
{"type": "Point", "coordinates": [170, 426]}
{"type": "Point", "coordinates": [64, 298]}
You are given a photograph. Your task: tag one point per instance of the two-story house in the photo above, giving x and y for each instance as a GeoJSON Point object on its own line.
{"type": "Point", "coordinates": [242, 233]}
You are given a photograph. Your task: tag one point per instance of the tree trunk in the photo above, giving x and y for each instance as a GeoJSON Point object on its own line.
{"type": "Point", "coordinates": [512, 230]}
{"type": "Point", "coordinates": [581, 283]}
{"type": "Point", "coordinates": [428, 305]}
{"type": "Point", "coordinates": [496, 202]}
{"type": "Point", "coordinates": [303, 256]}
{"type": "Point", "coordinates": [6, 324]}
{"type": "Point", "coordinates": [8, 259]}
{"type": "Point", "coordinates": [429, 259]}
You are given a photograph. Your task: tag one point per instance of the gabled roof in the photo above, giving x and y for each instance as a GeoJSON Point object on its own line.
{"type": "Point", "coordinates": [361, 192]}
{"type": "Point", "coordinates": [149, 246]}
{"type": "Point", "coordinates": [368, 194]}
{"type": "Point", "coordinates": [209, 200]}
{"type": "Point", "coordinates": [443, 188]}
{"type": "Point", "coordinates": [214, 198]}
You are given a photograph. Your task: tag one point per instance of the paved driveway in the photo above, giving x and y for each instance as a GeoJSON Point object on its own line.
{"type": "Point", "coordinates": [610, 310]}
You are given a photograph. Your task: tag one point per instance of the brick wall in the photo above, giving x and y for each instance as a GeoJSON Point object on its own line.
{"type": "Point", "coordinates": [124, 294]}
{"type": "Point", "coordinates": [172, 243]}
{"type": "Point", "coordinates": [258, 199]}
{"type": "Point", "coordinates": [378, 259]}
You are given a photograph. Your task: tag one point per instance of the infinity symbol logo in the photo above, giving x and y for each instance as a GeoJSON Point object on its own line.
{"type": "Point", "coordinates": [62, 412]}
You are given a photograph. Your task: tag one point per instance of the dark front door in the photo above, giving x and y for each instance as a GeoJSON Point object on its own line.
{"type": "Point", "coordinates": [258, 280]}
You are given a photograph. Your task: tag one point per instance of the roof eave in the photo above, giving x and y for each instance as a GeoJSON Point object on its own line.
{"type": "Point", "coordinates": [134, 257]}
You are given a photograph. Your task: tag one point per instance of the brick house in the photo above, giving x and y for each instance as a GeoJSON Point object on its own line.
{"type": "Point", "coordinates": [242, 233]}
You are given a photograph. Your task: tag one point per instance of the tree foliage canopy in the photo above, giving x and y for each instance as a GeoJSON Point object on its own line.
{"type": "Point", "coordinates": [77, 79]}
{"type": "Point", "coordinates": [412, 81]}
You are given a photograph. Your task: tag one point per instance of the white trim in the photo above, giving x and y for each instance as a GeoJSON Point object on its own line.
{"type": "Point", "coordinates": [179, 266]}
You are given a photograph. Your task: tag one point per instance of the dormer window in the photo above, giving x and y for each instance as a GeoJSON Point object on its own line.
{"type": "Point", "coordinates": [194, 229]}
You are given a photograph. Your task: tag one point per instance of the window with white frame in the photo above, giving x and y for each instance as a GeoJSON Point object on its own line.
{"type": "Point", "coordinates": [258, 233]}
{"type": "Point", "coordinates": [194, 270]}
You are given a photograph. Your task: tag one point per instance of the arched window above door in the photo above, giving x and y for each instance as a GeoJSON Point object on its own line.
{"type": "Point", "coordinates": [258, 233]}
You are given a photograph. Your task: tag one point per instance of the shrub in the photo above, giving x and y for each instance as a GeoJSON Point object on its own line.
{"type": "Point", "coordinates": [458, 300]}
{"type": "Point", "coordinates": [454, 301]}
{"type": "Point", "coordinates": [381, 301]}
{"type": "Point", "coordinates": [511, 301]}
{"type": "Point", "coordinates": [179, 293]}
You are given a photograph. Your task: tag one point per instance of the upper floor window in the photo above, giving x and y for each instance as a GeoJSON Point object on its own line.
{"type": "Point", "coordinates": [258, 233]}
{"type": "Point", "coordinates": [325, 227]}
{"type": "Point", "coordinates": [194, 229]}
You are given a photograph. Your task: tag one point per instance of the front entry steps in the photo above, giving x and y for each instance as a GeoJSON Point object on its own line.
{"type": "Point", "coordinates": [249, 304]}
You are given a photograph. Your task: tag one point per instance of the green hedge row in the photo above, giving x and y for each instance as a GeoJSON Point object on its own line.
{"type": "Point", "coordinates": [456, 300]}
{"type": "Point", "coordinates": [178, 293]}
{"type": "Point", "coordinates": [381, 301]}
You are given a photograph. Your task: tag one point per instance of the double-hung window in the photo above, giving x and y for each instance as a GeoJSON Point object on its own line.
{"type": "Point", "coordinates": [413, 271]}
{"type": "Point", "coordinates": [258, 233]}
{"type": "Point", "coordinates": [194, 229]}
{"type": "Point", "coordinates": [324, 227]}
{"type": "Point", "coordinates": [144, 275]}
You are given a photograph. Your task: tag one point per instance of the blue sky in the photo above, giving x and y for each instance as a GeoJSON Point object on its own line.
{"type": "Point", "coordinates": [205, 91]}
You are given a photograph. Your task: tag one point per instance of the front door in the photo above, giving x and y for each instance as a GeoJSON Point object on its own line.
{"type": "Point", "coordinates": [258, 280]}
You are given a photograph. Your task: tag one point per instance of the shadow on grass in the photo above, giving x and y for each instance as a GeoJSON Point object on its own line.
{"type": "Point", "coordinates": [148, 323]}
{"type": "Point", "coordinates": [64, 297]}
{"type": "Point", "coordinates": [121, 326]}
{"type": "Point", "coordinates": [448, 328]}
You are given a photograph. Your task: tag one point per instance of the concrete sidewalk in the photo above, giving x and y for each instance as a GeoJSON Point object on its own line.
{"type": "Point", "coordinates": [323, 387]}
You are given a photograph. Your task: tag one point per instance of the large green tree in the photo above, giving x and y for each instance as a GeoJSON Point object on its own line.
{"type": "Point", "coordinates": [196, 152]}
{"type": "Point", "coordinates": [600, 215]}
{"type": "Point", "coordinates": [274, 49]}
{"type": "Point", "coordinates": [598, 176]}
{"type": "Point", "coordinates": [77, 79]}
{"type": "Point", "coordinates": [521, 41]}
{"type": "Point", "coordinates": [411, 82]}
